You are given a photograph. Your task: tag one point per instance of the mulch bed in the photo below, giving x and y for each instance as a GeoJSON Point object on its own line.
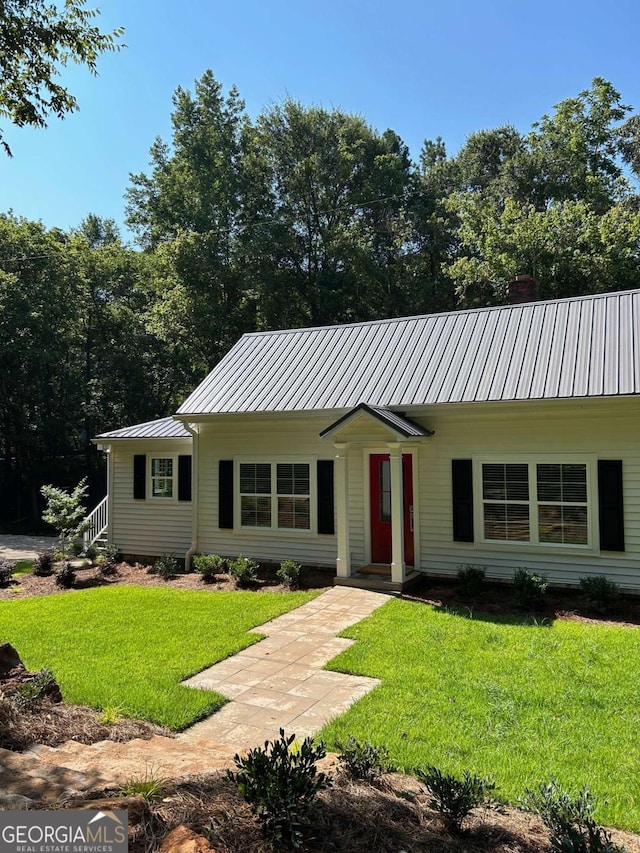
{"type": "Point", "coordinates": [497, 599]}
{"type": "Point", "coordinates": [351, 817]}
{"type": "Point", "coordinates": [52, 723]}
{"type": "Point", "coordinates": [29, 585]}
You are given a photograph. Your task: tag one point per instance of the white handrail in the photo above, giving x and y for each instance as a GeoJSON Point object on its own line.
{"type": "Point", "coordinates": [98, 521]}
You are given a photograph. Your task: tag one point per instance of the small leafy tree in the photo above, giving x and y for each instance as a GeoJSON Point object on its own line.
{"type": "Point", "coordinates": [65, 511]}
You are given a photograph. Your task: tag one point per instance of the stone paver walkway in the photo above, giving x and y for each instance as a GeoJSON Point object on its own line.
{"type": "Point", "coordinates": [279, 682]}
{"type": "Point", "coordinates": [276, 683]}
{"type": "Point", "coordinates": [24, 547]}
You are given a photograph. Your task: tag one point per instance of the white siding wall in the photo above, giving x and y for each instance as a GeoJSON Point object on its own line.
{"type": "Point", "coordinates": [147, 527]}
{"type": "Point", "coordinates": [605, 429]}
{"type": "Point", "coordinates": [262, 439]}
{"type": "Point", "coordinates": [596, 428]}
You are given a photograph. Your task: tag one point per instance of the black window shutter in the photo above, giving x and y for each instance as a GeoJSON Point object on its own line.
{"type": "Point", "coordinates": [184, 478]}
{"type": "Point", "coordinates": [462, 487]}
{"type": "Point", "coordinates": [611, 509]}
{"type": "Point", "coordinates": [225, 494]}
{"type": "Point", "coordinates": [325, 496]}
{"type": "Point", "coordinates": [140, 476]}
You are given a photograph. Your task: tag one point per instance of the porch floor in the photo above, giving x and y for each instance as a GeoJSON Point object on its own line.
{"type": "Point", "coordinates": [378, 577]}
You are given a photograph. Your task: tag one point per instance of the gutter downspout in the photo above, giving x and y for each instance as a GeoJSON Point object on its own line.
{"type": "Point", "coordinates": [194, 495]}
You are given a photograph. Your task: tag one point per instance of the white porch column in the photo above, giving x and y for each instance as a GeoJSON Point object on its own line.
{"type": "Point", "coordinates": [397, 514]}
{"type": "Point", "coordinates": [343, 561]}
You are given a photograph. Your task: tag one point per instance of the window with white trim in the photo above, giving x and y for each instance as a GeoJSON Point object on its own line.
{"type": "Point", "coordinates": [535, 502]}
{"type": "Point", "coordinates": [275, 495]}
{"type": "Point", "coordinates": [162, 477]}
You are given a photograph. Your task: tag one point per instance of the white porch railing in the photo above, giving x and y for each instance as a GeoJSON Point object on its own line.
{"type": "Point", "coordinates": [98, 522]}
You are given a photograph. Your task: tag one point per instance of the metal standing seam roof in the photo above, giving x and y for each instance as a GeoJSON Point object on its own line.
{"type": "Point", "coordinates": [580, 347]}
{"type": "Point", "coordinates": [163, 428]}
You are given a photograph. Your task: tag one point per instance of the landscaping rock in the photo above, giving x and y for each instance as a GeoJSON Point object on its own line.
{"type": "Point", "coordinates": [13, 674]}
{"type": "Point", "coordinates": [9, 659]}
{"type": "Point", "coordinates": [185, 840]}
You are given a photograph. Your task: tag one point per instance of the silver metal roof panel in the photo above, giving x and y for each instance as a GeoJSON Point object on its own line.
{"type": "Point", "coordinates": [163, 428]}
{"type": "Point", "coordinates": [584, 346]}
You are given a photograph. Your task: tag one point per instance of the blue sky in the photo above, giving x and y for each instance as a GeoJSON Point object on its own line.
{"type": "Point", "coordinates": [421, 68]}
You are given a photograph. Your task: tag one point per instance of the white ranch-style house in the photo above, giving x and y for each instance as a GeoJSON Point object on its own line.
{"type": "Point", "coordinates": [500, 437]}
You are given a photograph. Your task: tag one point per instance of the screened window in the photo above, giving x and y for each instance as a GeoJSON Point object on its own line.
{"type": "Point", "coordinates": [275, 495]}
{"type": "Point", "coordinates": [162, 477]}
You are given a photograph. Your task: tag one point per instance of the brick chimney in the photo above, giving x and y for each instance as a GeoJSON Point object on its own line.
{"type": "Point", "coordinates": [523, 289]}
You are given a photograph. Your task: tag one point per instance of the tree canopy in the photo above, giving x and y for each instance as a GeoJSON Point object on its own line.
{"type": "Point", "coordinates": [36, 39]}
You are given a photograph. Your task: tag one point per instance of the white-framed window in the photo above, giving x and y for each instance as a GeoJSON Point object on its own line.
{"type": "Point", "coordinates": [275, 495]}
{"type": "Point", "coordinates": [162, 476]}
{"type": "Point", "coordinates": [535, 501]}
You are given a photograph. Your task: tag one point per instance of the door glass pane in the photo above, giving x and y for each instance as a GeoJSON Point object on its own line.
{"type": "Point", "coordinates": [385, 490]}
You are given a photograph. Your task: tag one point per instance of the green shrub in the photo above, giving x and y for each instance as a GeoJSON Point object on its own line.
{"type": "Point", "coordinates": [454, 798]}
{"type": "Point", "coordinates": [75, 548]}
{"type": "Point", "coordinates": [65, 576]}
{"type": "Point", "coordinates": [91, 552]}
{"type": "Point", "coordinates": [589, 838]}
{"type": "Point", "coordinates": [44, 563]}
{"type": "Point", "coordinates": [209, 565]}
{"type": "Point", "coordinates": [31, 693]}
{"type": "Point", "coordinates": [471, 579]}
{"type": "Point", "coordinates": [530, 589]}
{"type": "Point", "coordinates": [166, 566]}
{"type": "Point", "coordinates": [244, 571]}
{"type": "Point", "coordinates": [108, 568]}
{"type": "Point", "coordinates": [599, 594]}
{"type": "Point", "coordinates": [364, 760]}
{"type": "Point", "coordinates": [280, 783]}
{"type": "Point", "coordinates": [110, 551]}
{"type": "Point", "coordinates": [569, 818]}
{"type": "Point", "coordinates": [289, 573]}
{"type": "Point", "coordinates": [6, 572]}
{"type": "Point", "coordinates": [65, 511]}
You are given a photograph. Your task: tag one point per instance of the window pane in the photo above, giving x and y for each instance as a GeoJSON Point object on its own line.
{"type": "Point", "coordinates": [255, 511]}
{"type": "Point", "coordinates": [162, 487]}
{"type": "Point", "coordinates": [505, 482]}
{"type": "Point", "coordinates": [563, 524]}
{"type": "Point", "coordinates": [574, 483]}
{"type": "Point", "coordinates": [549, 483]}
{"type": "Point", "coordinates": [255, 478]}
{"type": "Point", "coordinates": [508, 522]}
{"type": "Point", "coordinates": [293, 513]}
{"type": "Point", "coordinates": [517, 482]}
{"type": "Point", "coordinates": [385, 490]}
{"type": "Point", "coordinates": [162, 467]}
{"type": "Point", "coordinates": [562, 483]}
{"type": "Point", "coordinates": [493, 482]}
{"type": "Point", "coordinates": [293, 479]}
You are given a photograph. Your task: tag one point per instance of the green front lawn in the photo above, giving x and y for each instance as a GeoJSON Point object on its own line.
{"type": "Point", "coordinates": [130, 647]}
{"type": "Point", "coordinates": [523, 703]}
{"type": "Point", "coordinates": [22, 567]}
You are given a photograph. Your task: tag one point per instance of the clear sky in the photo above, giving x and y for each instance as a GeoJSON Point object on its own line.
{"type": "Point", "coordinates": [421, 68]}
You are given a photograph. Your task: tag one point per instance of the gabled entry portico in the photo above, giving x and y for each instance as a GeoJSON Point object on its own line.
{"type": "Point", "coordinates": [386, 444]}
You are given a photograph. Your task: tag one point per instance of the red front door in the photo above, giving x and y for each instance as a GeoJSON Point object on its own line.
{"type": "Point", "coordinates": [380, 491]}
